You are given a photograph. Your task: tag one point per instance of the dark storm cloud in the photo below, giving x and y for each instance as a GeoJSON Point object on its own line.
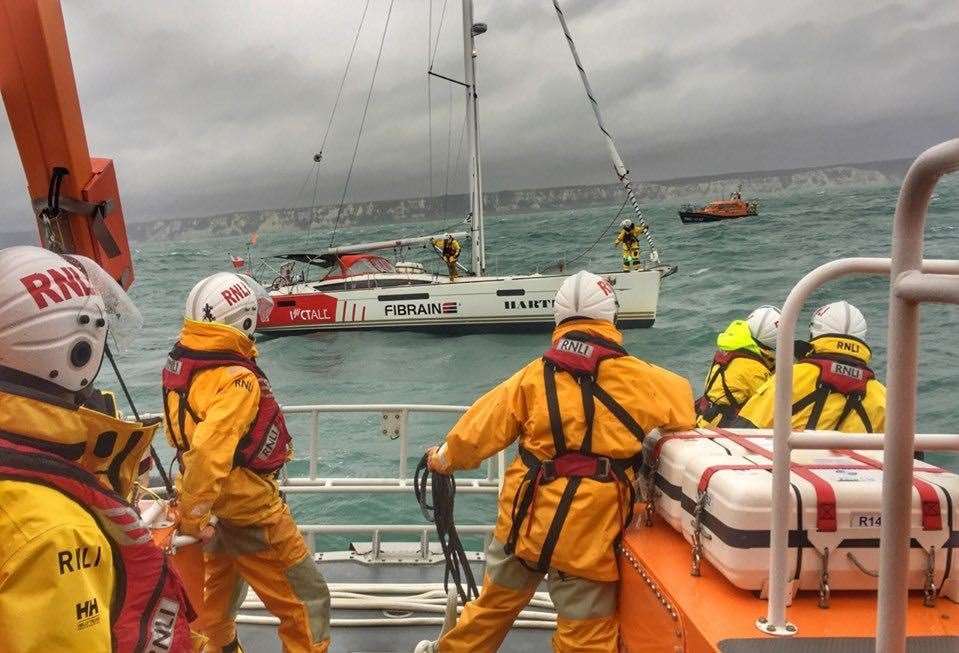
{"type": "Point", "coordinates": [215, 107]}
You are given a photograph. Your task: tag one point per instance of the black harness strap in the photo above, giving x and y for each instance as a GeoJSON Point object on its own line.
{"type": "Point", "coordinates": [562, 512]}
{"type": "Point", "coordinates": [552, 406]}
{"type": "Point", "coordinates": [709, 409]}
{"type": "Point", "coordinates": [854, 405]}
{"type": "Point", "coordinates": [730, 398]}
{"type": "Point", "coordinates": [619, 412]}
{"type": "Point", "coordinates": [529, 486]}
{"type": "Point", "coordinates": [589, 412]}
{"type": "Point", "coordinates": [818, 400]}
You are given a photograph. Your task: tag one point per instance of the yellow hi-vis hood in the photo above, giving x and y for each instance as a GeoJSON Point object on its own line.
{"type": "Point", "coordinates": [213, 336]}
{"type": "Point", "coordinates": [738, 336]}
{"type": "Point", "coordinates": [108, 447]}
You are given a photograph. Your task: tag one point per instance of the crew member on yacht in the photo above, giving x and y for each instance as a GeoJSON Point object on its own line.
{"type": "Point", "coordinates": [628, 238]}
{"type": "Point", "coordinates": [449, 249]}
{"type": "Point", "coordinates": [231, 443]}
{"type": "Point", "coordinates": [744, 360]}
{"type": "Point", "coordinates": [580, 414]}
{"type": "Point", "coordinates": [833, 387]}
{"type": "Point", "coordinates": [79, 572]}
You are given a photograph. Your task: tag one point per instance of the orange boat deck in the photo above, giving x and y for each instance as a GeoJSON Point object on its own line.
{"type": "Point", "coordinates": [728, 207]}
{"type": "Point", "coordinates": [664, 608]}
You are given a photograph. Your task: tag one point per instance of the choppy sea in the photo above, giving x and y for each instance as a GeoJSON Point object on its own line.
{"type": "Point", "coordinates": [725, 270]}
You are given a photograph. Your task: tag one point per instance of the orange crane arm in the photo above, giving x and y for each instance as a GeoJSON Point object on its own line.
{"type": "Point", "coordinates": [40, 95]}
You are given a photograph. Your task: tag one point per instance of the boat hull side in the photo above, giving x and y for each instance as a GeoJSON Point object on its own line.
{"type": "Point", "coordinates": [690, 217]}
{"type": "Point", "coordinates": [507, 304]}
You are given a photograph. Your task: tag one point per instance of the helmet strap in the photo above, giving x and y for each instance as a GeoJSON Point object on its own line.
{"type": "Point", "coordinates": [31, 387]}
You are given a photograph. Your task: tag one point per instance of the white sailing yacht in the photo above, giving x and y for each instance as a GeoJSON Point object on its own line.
{"type": "Point", "coordinates": [364, 290]}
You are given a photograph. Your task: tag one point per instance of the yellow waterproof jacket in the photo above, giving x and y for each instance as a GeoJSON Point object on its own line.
{"type": "Point", "coordinates": [806, 376]}
{"type": "Point", "coordinates": [56, 564]}
{"type": "Point", "coordinates": [734, 378]}
{"type": "Point", "coordinates": [440, 244]}
{"type": "Point", "coordinates": [630, 239]}
{"type": "Point", "coordinates": [516, 410]}
{"type": "Point", "coordinates": [225, 400]}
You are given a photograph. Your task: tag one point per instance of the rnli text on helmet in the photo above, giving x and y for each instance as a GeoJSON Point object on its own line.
{"type": "Point", "coordinates": [66, 279]}
{"type": "Point", "coordinates": [235, 293]}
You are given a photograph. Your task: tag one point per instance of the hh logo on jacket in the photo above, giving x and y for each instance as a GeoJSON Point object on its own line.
{"type": "Point", "coordinates": [88, 613]}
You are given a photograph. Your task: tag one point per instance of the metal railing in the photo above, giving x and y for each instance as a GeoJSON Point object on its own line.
{"type": "Point", "coordinates": [912, 281]}
{"type": "Point", "coordinates": [394, 425]}
{"type": "Point", "coordinates": [402, 604]}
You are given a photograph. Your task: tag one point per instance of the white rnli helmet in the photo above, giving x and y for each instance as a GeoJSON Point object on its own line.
{"type": "Point", "coordinates": [626, 224]}
{"type": "Point", "coordinates": [229, 298]}
{"type": "Point", "coordinates": [840, 318]}
{"type": "Point", "coordinates": [55, 312]}
{"type": "Point", "coordinates": [764, 326]}
{"type": "Point", "coordinates": [585, 295]}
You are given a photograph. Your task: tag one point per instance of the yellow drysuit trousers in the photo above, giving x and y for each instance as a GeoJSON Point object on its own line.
{"type": "Point", "coordinates": [275, 562]}
{"type": "Point", "coordinates": [586, 610]}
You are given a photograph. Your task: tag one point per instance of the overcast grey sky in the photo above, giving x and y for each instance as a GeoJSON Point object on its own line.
{"type": "Point", "coordinates": [210, 107]}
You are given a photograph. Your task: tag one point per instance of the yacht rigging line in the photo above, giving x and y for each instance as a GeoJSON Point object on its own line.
{"type": "Point", "coordinates": [431, 50]}
{"type": "Point", "coordinates": [561, 265]}
{"type": "Point", "coordinates": [429, 106]}
{"type": "Point", "coordinates": [440, 512]}
{"type": "Point", "coordinates": [359, 135]}
{"type": "Point", "coordinates": [318, 157]}
{"type": "Point", "coordinates": [618, 165]}
{"type": "Point", "coordinates": [153, 452]}
{"type": "Point", "coordinates": [439, 30]}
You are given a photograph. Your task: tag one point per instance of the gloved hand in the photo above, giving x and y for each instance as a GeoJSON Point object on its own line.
{"type": "Point", "coordinates": [436, 460]}
{"type": "Point", "coordinates": [193, 525]}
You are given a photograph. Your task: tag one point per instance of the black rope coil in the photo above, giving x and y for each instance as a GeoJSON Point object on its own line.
{"type": "Point", "coordinates": [440, 512]}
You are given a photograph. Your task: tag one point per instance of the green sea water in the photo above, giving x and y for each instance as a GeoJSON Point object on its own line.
{"type": "Point", "coordinates": [725, 270]}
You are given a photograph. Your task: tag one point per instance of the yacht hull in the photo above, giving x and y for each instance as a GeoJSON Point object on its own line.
{"type": "Point", "coordinates": [434, 304]}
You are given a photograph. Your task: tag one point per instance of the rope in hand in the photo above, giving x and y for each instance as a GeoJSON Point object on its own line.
{"type": "Point", "coordinates": [440, 512]}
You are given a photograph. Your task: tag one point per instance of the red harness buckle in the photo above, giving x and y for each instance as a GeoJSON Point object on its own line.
{"type": "Point", "coordinates": [576, 465]}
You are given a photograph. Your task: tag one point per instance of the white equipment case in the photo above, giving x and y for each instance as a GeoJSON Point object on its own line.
{"type": "Point", "coordinates": [716, 488]}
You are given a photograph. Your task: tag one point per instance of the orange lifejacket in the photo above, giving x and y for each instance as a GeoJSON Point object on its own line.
{"type": "Point", "coordinates": [267, 445]}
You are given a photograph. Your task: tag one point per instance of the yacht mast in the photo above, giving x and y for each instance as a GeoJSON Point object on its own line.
{"type": "Point", "coordinates": [618, 166]}
{"type": "Point", "coordinates": [478, 246]}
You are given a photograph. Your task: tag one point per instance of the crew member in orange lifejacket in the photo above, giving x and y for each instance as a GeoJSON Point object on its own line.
{"type": "Point", "coordinates": [744, 360]}
{"type": "Point", "coordinates": [231, 441]}
{"type": "Point", "coordinates": [833, 387]}
{"type": "Point", "coordinates": [79, 571]}
{"type": "Point", "coordinates": [579, 414]}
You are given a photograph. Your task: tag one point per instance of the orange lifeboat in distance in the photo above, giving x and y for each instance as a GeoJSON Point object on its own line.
{"type": "Point", "coordinates": [719, 210]}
